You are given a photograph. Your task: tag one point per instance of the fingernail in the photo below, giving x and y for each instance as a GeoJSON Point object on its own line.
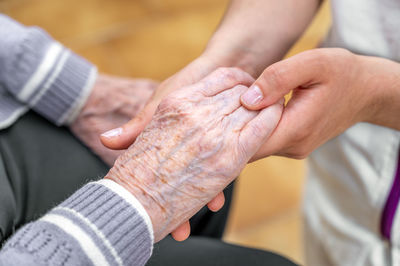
{"type": "Point", "coordinates": [252, 96]}
{"type": "Point", "coordinates": [113, 133]}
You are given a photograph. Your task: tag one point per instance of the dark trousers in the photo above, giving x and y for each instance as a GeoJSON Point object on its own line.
{"type": "Point", "coordinates": [41, 165]}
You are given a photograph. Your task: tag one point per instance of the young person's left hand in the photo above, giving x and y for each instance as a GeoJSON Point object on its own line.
{"type": "Point", "coordinates": [332, 90]}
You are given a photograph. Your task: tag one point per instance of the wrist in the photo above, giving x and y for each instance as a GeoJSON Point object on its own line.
{"type": "Point", "coordinates": [249, 52]}
{"type": "Point", "coordinates": [141, 183]}
{"type": "Point", "coordinates": [222, 54]}
{"type": "Point", "coordinates": [382, 85]}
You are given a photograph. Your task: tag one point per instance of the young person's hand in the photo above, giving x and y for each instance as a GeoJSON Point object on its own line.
{"type": "Point", "coordinates": [332, 90]}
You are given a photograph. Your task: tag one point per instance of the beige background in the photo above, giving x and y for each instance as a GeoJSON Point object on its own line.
{"type": "Point", "coordinates": [154, 39]}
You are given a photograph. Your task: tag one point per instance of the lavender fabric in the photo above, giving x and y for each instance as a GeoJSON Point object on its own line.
{"type": "Point", "coordinates": [391, 205]}
{"type": "Point", "coordinates": [92, 219]}
{"type": "Point", "coordinates": [38, 73]}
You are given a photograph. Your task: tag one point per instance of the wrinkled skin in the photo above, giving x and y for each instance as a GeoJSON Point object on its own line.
{"type": "Point", "coordinates": [125, 135]}
{"type": "Point", "coordinates": [198, 141]}
{"type": "Point", "coordinates": [191, 74]}
{"type": "Point", "coordinates": [112, 102]}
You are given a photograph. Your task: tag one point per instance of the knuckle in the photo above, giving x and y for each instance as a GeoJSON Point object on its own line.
{"type": "Point", "coordinates": [319, 54]}
{"type": "Point", "coordinates": [225, 73]}
{"type": "Point", "coordinates": [343, 56]}
{"type": "Point", "coordinates": [329, 58]}
{"type": "Point", "coordinates": [275, 77]}
{"type": "Point", "coordinates": [319, 57]}
{"type": "Point", "coordinates": [257, 130]}
{"type": "Point", "coordinates": [222, 70]}
{"type": "Point", "coordinates": [168, 103]}
{"type": "Point", "coordinates": [230, 73]}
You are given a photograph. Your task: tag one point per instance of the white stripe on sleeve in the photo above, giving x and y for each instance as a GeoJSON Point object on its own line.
{"type": "Point", "coordinates": [86, 243]}
{"type": "Point", "coordinates": [125, 194]}
{"type": "Point", "coordinates": [41, 72]}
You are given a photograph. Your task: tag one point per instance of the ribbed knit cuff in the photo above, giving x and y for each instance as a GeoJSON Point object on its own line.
{"type": "Point", "coordinates": [101, 224]}
{"type": "Point", "coordinates": [66, 91]}
{"type": "Point", "coordinates": [41, 73]}
{"type": "Point", "coordinates": [118, 215]}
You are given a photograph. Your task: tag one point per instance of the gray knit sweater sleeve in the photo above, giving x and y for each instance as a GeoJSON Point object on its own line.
{"type": "Point", "coordinates": [101, 224]}
{"type": "Point", "coordinates": [38, 73]}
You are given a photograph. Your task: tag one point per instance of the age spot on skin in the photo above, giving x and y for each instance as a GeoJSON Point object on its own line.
{"type": "Point", "coordinates": [188, 153]}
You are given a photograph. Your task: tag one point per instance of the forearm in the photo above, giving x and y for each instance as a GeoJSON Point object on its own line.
{"type": "Point", "coordinates": [254, 34]}
{"type": "Point", "coordinates": [382, 83]}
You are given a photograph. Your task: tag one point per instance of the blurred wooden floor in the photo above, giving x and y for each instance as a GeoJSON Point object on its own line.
{"type": "Point", "coordinates": [154, 39]}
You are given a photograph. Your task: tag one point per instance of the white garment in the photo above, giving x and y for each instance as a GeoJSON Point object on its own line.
{"type": "Point", "coordinates": [350, 177]}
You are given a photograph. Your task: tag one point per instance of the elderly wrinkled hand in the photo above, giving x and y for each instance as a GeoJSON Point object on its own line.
{"type": "Point", "coordinates": [125, 135]}
{"type": "Point", "coordinates": [199, 140]}
{"type": "Point", "coordinates": [112, 102]}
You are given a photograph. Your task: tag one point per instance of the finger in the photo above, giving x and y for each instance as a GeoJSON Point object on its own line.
{"type": "Point", "coordinates": [124, 136]}
{"type": "Point", "coordinates": [241, 117]}
{"type": "Point", "coordinates": [291, 128]}
{"type": "Point", "coordinates": [217, 203]}
{"type": "Point", "coordinates": [257, 131]}
{"type": "Point", "coordinates": [280, 78]}
{"type": "Point", "coordinates": [223, 79]}
{"type": "Point", "coordinates": [182, 232]}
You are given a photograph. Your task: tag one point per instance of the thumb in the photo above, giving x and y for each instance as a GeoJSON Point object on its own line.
{"type": "Point", "coordinates": [280, 78]}
{"type": "Point", "coordinates": [122, 137]}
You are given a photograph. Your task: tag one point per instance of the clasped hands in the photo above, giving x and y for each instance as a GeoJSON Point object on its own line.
{"type": "Point", "coordinates": [198, 130]}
